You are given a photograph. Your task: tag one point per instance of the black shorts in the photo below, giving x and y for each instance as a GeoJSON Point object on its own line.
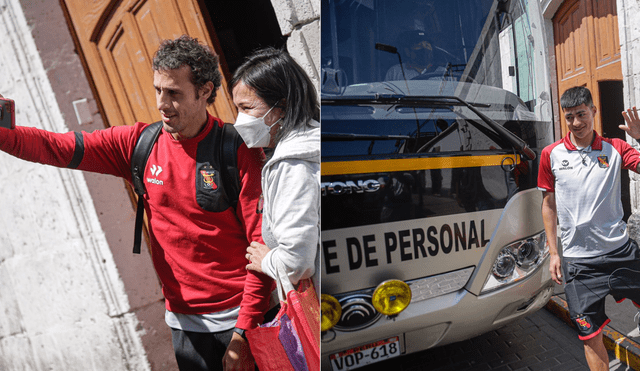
{"type": "Point", "coordinates": [590, 280]}
{"type": "Point", "coordinates": [200, 351]}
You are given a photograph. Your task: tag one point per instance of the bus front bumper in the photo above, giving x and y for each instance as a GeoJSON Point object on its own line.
{"type": "Point", "coordinates": [449, 318]}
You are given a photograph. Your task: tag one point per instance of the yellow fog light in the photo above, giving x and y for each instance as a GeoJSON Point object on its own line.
{"type": "Point", "coordinates": [331, 312]}
{"type": "Point", "coordinates": [391, 297]}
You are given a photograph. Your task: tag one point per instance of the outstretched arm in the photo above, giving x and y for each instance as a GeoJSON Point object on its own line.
{"type": "Point", "coordinates": [37, 145]}
{"type": "Point", "coordinates": [105, 151]}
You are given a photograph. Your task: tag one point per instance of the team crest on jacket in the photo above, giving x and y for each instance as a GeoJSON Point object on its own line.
{"type": "Point", "coordinates": [209, 179]}
{"type": "Point", "coordinates": [603, 161]}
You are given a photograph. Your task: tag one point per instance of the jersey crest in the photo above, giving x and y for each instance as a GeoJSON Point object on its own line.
{"type": "Point", "coordinates": [209, 179]}
{"type": "Point", "coordinates": [603, 161]}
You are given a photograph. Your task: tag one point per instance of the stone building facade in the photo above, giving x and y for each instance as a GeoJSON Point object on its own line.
{"type": "Point", "coordinates": [629, 29]}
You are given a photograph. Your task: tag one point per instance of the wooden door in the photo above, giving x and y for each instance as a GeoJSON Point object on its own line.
{"type": "Point", "coordinates": [118, 38]}
{"type": "Point", "coordinates": [587, 47]}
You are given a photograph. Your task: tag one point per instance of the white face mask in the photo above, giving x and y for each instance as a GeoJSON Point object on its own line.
{"type": "Point", "coordinates": [253, 129]}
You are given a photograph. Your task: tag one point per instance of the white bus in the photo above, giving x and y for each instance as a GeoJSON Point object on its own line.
{"type": "Point", "coordinates": [434, 114]}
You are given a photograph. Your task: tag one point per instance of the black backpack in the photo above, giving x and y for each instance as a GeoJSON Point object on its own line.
{"type": "Point", "coordinates": [231, 140]}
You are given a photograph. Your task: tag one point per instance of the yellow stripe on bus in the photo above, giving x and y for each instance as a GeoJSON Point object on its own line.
{"type": "Point", "coordinates": [409, 164]}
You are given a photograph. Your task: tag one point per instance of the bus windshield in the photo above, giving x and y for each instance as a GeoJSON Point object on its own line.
{"type": "Point", "coordinates": [485, 53]}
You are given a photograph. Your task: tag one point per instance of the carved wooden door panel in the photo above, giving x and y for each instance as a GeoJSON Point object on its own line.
{"type": "Point", "coordinates": [118, 38]}
{"type": "Point", "coordinates": [587, 47]}
{"type": "Point", "coordinates": [607, 41]}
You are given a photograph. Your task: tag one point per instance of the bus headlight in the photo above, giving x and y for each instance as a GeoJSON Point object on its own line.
{"type": "Point", "coordinates": [391, 297]}
{"type": "Point", "coordinates": [527, 253]}
{"type": "Point", "coordinates": [504, 265]}
{"type": "Point", "coordinates": [517, 261]}
{"type": "Point", "coordinates": [331, 312]}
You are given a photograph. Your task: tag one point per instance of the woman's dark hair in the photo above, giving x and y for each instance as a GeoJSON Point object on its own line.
{"type": "Point", "coordinates": [277, 79]}
{"type": "Point", "coordinates": [185, 50]}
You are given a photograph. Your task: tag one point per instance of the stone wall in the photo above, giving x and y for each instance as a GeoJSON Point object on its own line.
{"type": "Point", "coordinates": [629, 31]}
{"type": "Point", "coordinates": [300, 20]}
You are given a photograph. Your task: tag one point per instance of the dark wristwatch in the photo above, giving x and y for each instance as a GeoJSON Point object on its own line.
{"type": "Point", "coordinates": [240, 332]}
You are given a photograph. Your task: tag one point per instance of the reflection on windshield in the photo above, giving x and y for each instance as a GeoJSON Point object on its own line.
{"type": "Point", "coordinates": [406, 104]}
{"type": "Point", "coordinates": [401, 43]}
{"type": "Point", "coordinates": [481, 52]}
{"type": "Point", "coordinates": [442, 131]}
{"type": "Point", "coordinates": [415, 37]}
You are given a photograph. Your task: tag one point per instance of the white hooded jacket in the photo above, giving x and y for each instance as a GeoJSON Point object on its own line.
{"type": "Point", "coordinates": [291, 219]}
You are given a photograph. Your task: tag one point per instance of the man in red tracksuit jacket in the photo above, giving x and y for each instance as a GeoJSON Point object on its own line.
{"type": "Point", "coordinates": [197, 239]}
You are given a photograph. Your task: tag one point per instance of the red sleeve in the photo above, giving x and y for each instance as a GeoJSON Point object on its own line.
{"type": "Point", "coordinates": [546, 180]}
{"type": "Point", "coordinates": [38, 145]}
{"type": "Point", "coordinates": [250, 167]}
{"type": "Point", "coordinates": [105, 151]}
{"type": "Point", "coordinates": [258, 286]}
{"type": "Point", "coordinates": [255, 300]}
{"type": "Point", "coordinates": [109, 151]}
{"type": "Point", "coordinates": [630, 156]}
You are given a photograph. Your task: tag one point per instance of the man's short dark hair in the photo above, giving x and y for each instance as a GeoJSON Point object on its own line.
{"type": "Point", "coordinates": [185, 50]}
{"type": "Point", "coordinates": [276, 78]}
{"type": "Point", "coordinates": [573, 97]}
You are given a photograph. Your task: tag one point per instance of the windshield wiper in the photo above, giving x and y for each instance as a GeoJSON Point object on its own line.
{"type": "Point", "coordinates": [435, 101]}
{"type": "Point", "coordinates": [349, 100]}
{"type": "Point", "coordinates": [350, 137]}
{"type": "Point", "coordinates": [399, 99]}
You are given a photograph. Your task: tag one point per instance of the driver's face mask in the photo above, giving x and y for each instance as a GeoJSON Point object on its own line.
{"type": "Point", "coordinates": [421, 52]}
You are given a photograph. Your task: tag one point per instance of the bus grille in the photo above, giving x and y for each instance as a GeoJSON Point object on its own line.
{"type": "Point", "coordinates": [430, 287]}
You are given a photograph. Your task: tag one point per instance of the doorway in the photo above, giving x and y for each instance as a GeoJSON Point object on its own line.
{"type": "Point", "coordinates": [611, 106]}
{"type": "Point", "coordinates": [587, 49]}
{"type": "Point", "coordinates": [242, 26]}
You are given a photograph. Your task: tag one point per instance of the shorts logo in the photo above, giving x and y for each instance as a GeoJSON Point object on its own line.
{"type": "Point", "coordinates": [603, 161]}
{"type": "Point", "coordinates": [583, 323]}
{"type": "Point", "coordinates": [209, 179]}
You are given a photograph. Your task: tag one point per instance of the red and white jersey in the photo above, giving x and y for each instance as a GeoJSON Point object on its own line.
{"type": "Point", "coordinates": [586, 183]}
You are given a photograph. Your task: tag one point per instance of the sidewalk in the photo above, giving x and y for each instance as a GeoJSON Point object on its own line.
{"type": "Point", "coordinates": [621, 336]}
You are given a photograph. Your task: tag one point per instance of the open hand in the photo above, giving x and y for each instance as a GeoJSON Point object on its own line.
{"type": "Point", "coordinates": [633, 123]}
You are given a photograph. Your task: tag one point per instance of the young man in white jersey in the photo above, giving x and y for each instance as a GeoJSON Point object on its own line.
{"type": "Point", "coordinates": [580, 177]}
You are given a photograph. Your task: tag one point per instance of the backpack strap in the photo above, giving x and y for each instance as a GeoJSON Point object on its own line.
{"type": "Point", "coordinates": [139, 158]}
{"type": "Point", "coordinates": [231, 140]}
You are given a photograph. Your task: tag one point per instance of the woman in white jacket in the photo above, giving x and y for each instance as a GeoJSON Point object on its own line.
{"type": "Point", "coordinates": [278, 108]}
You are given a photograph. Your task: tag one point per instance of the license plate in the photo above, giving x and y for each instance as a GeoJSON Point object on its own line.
{"type": "Point", "coordinates": [365, 354]}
